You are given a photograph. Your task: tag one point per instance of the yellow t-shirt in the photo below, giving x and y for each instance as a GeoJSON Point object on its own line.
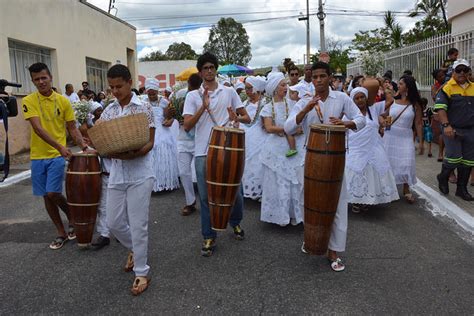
{"type": "Point", "coordinates": [53, 111]}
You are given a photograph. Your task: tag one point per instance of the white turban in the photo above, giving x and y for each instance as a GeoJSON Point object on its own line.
{"type": "Point", "coordinates": [257, 83]}
{"type": "Point", "coordinates": [359, 90]}
{"type": "Point", "coordinates": [239, 85]}
{"type": "Point", "coordinates": [168, 89]}
{"type": "Point", "coordinates": [94, 106]}
{"type": "Point", "coordinates": [273, 80]}
{"type": "Point", "coordinates": [152, 84]}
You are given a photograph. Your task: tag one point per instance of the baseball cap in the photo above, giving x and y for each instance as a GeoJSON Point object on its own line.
{"type": "Point", "coordinates": [461, 62]}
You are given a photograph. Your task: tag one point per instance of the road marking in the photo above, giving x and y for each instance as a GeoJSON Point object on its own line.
{"type": "Point", "coordinates": [16, 178]}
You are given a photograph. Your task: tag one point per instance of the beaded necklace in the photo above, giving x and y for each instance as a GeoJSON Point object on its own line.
{"type": "Point", "coordinates": [273, 110]}
{"type": "Point", "coordinates": [257, 114]}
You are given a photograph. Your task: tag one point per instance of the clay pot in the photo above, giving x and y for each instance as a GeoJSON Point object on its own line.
{"type": "Point", "coordinates": [372, 85]}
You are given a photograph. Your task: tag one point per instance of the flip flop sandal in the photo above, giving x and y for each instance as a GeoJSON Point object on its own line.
{"type": "Point", "coordinates": [337, 265]}
{"type": "Point", "coordinates": [291, 152]}
{"type": "Point", "coordinates": [140, 284]}
{"type": "Point", "coordinates": [71, 233]}
{"type": "Point", "coordinates": [58, 243]}
{"type": "Point", "coordinates": [129, 265]}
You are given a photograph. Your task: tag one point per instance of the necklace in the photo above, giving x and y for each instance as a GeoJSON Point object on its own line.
{"type": "Point", "coordinates": [55, 111]}
{"type": "Point", "coordinates": [273, 110]}
{"type": "Point", "coordinates": [257, 114]}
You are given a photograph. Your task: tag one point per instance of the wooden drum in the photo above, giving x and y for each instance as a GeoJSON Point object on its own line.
{"type": "Point", "coordinates": [225, 167]}
{"type": "Point", "coordinates": [83, 189]}
{"type": "Point", "coordinates": [324, 169]}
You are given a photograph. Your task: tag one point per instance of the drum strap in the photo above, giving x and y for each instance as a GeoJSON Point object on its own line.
{"type": "Point", "coordinates": [6, 162]}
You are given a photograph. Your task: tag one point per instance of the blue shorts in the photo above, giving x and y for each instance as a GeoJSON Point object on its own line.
{"type": "Point", "coordinates": [47, 175]}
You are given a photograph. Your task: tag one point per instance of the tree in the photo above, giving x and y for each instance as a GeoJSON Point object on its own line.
{"type": "Point", "coordinates": [339, 56]}
{"type": "Point", "coordinates": [154, 56]}
{"type": "Point", "coordinates": [180, 51]}
{"type": "Point", "coordinates": [228, 40]}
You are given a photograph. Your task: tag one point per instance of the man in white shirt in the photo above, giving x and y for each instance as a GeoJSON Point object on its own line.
{"type": "Point", "coordinates": [212, 105]}
{"type": "Point", "coordinates": [306, 81]}
{"type": "Point", "coordinates": [70, 94]}
{"type": "Point", "coordinates": [130, 180]}
{"type": "Point", "coordinates": [333, 105]}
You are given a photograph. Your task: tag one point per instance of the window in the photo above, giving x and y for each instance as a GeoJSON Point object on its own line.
{"type": "Point", "coordinates": [97, 74]}
{"type": "Point", "coordinates": [22, 56]}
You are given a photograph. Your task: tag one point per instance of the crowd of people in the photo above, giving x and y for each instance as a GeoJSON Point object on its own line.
{"type": "Point", "coordinates": [277, 115]}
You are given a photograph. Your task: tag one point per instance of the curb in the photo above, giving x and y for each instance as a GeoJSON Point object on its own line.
{"type": "Point", "coordinates": [15, 178]}
{"type": "Point", "coordinates": [437, 204]}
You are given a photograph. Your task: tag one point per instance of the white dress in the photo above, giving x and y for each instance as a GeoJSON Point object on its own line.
{"type": "Point", "coordinates": [282, 194]}
{"type": "Point", "coordinates": [398, 141]}
{"type": "Point", "coordinates": [255, 137]}
{"type": "Point", "coordinates": [369, 177]}
{"type": "Point", "coordinates": [165, 152]}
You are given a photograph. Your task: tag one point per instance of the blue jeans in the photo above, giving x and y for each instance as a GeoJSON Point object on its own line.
{"type": "Point", "coordinates": [235, 216]}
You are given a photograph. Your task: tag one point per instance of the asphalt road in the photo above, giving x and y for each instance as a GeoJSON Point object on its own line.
{"type": "Point", "coordinates": [399, 260]}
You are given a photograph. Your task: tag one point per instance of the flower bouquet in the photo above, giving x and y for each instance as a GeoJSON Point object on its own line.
{"type": "Point", "coordinates": [177, 101]}
{"type": "Point", "coordinates": [81, 110]}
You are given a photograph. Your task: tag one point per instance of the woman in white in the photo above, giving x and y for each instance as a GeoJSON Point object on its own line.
{"type": "Point", "coordinates": [398, 137]}
{"type": "Point", "coordinates": [282, 195]}
{"type": "Point", "coordinates": [165, 151]}
{"type": "Point", "coordinates": [255, 137]}
{"type": "Point", "coordinates": [369, 178]}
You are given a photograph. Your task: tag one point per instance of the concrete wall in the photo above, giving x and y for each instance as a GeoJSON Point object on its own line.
{"type": "Point", "coordinates": [73, 30]}
{"type": "Point", "coordinates": [164, 71]}
{"type": "Point", "coordinates": [461, 15]}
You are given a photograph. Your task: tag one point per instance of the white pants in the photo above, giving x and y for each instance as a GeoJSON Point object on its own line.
{"type": "Point", "coordinates": [128, 206]}
{"type": "Point", "coordinates": [101, 226]}
{"type": "Point", "coordinates": [186, 175]}
{"type": "Point", "coordinates": [337, 241]}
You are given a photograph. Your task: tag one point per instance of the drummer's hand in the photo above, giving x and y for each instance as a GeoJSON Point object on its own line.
{"type": "Point", "coordinates": [336, 121]}
{"type": "Point", "coordinates": [232, 115]}
{"type": "Point", "coordinates": [312, 103]}
{"type": "Point", "coordinates": [65, 152]}
{"type": "Point", "coordinates": [299, 131]}
{"type": "Point", "coordinates": [89, 150]}
{"type": "Point", "coordinates": [205, 99]}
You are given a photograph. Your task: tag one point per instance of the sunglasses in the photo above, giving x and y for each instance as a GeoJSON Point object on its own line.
{"type": "Point", "coordinates": [293, 74]}
{"type": "Point", "coordinates": [466, 70]}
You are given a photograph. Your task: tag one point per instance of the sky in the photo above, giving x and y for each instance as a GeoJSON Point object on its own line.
{"type": "Point", "coordinates": [272, 25]}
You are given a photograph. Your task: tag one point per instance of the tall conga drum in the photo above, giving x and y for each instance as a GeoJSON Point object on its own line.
{"type": "Point", "coordinates": [323, 172]}
{"type": "Point", "coordinates": [225, 167]}
{"type": "Point", "coordinates": [83, 189]}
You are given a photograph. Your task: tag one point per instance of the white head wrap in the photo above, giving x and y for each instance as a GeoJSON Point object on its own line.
{"type": "Point", "coordinates": [359, 90]}
{"type": "Point", "coordinates": [152, 84]}
{"type": "Point", "coordinates": [168, 89]}
{"type": "Point", "coordinates": [273, 80]}
{"type": "Point", "coordinates": [94, 106]}
{"type": "Point", "coordinates": [239, 85]}
{"type": "Point", "coordinates": [257, 82]}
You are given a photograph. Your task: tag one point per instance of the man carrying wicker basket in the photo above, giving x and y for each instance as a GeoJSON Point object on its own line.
{"type": "Point", "coordinates": [130, 182]}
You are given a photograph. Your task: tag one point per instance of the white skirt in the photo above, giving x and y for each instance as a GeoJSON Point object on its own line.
{"type": "Point", "coordinates": [165, 167]}
{"type": "Point", "coordinates": [370, 187]}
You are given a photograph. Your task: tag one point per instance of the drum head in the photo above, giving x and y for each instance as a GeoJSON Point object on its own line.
{"type": "Point", "coordinates": [328, 127]}
{"type": "Point", "coordinates": [229, 129]}
{"type": "Point", "coordinates": [83, 154]}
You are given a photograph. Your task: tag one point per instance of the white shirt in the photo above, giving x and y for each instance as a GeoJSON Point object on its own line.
{"type": "Point", "coordinates": [220, 99]}
{"type": "Point", "coordinates": [135, 170]}
{"type": "Point", "coordinates": [73, 97]}
{"type": "Point", "coordinates": [337, 104]}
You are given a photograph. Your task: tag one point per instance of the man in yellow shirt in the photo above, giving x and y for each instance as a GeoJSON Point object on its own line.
{"type": "Point", "coordinates": [49, 114]}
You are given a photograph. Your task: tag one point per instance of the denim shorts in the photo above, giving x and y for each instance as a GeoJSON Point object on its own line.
{"type": "Point", "coordinates": [47, 175]}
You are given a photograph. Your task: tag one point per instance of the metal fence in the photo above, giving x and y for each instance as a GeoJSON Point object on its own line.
{"type": "Point", "coordinates": [423, 57]}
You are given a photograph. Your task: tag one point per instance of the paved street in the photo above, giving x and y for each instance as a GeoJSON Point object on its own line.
{"type": "Point", "coordinates": [400, 259]}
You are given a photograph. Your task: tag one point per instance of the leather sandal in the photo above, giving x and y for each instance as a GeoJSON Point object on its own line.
{"type": "Point", "coordinates": [129, 265]}
{"type": "Point", "coordinates": [140, 284]}
{"type": "Point", "coordinates": [337, 265]}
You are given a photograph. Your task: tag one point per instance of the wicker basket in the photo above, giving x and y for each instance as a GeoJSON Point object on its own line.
{"type": "Point", "coordinates": [120, 135]}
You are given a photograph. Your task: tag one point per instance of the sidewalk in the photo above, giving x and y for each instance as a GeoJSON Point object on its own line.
{"type": "Point", "coordinates": [449, 205]}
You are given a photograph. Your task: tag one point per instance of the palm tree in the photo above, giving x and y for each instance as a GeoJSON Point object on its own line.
{"type": "Point", "coordinates": [394, 28]}
{"type": "Point", "coordinates": [430, 9]}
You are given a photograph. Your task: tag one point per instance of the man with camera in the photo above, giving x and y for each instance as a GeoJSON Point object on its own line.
{"type": "Point", "coordinates": [49, 114]}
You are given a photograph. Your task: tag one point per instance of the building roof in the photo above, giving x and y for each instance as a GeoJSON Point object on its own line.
{"type": "Point", "coordinates": [107, 14]}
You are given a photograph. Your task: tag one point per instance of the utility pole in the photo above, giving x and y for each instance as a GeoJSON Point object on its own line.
{"type": "Point", "coordinates": [308, 50]}
{"type": "Point", "coordinates": [321, 15]}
